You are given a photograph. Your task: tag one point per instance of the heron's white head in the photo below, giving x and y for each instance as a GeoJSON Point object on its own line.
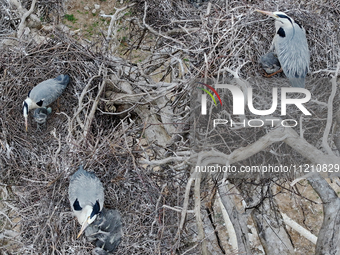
{"type": "Point", "coordinates": [26, 106]}
{"type": "Point", "coordinates": [87, 215]}
{"type": "Point", "coordinates": [281, 19]}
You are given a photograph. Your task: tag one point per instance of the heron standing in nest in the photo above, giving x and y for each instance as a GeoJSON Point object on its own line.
{"type": "Point", "coordinates": [291, 48]}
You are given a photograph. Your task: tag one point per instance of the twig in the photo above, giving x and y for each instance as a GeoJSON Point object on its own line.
{"type": "Point", "coordinates": [154, 31]}
{"type": "Point", "coordinates": [163, 161]}
{"type": "Point", "coordinates": [59, 145]}
{"type": "Point", "coordinates": [197, 208]}
{"type": "Point", "coordinates": [330, 113]}
{"type": "Point", "coordinates": [228, 224]}
{"type": "Point", "coordinates": [177, 209]}
{"type": "Point", "coordinates": [156, 209]}
{"type": "Point", "coordinates": [114, 18]}
{"type": "Point", "coordinates": [238, 221]}
{"type": "Point", "coordinates": [185, 205]}
{"type": "Point", "coordinates": [297, 227]}
{"type": "Point", "coordinates": [191, 248]}
{"type": "Point", "coordinates": [21, 26]}
{"type": "Point", "coordinates": [80, 101]}
{"type": "Point", "coordinates": [90, 117]}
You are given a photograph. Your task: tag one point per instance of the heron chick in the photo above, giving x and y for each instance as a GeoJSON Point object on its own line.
{"type": "Point", "coordinates": [270, 63]}
{"type": "Point", "coordinates": [86, 195]}
{"type": "Point", "coordinates": [40, 115]}
{"type": "Point", "coordinates": [44, 94]}
{"type": "Point", "coordinates": [291, 48]}
{"type": "Point", "coordinates": [106, 231]}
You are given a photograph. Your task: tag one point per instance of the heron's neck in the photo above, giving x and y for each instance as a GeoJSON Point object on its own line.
{"type": "Point", "coordinates": [85, 214]}
{"type": "Point", "coordinates": [31, 105]}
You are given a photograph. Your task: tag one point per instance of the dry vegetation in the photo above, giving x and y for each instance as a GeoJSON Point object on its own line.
{"type": "Point", "coordinates": [126, 118]}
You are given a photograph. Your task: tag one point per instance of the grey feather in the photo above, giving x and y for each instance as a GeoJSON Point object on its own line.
{"type": "Point", "coordinates": [48, 91]}
{"type": "Point", "coordinates": [270, 63]}
{"type": "Point", "coordinates": [85, 187]}
{"type": "Point", "coordinates": [105, 231]}
{"type": "Point", "coordinates": [40, 114]}
{"type": "Point", "coordinates": [291, 48]}
{"type": "Point", "coordinates": [293, 54]}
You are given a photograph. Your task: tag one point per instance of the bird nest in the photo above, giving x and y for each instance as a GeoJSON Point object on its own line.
{"type": "Point", "coordinates": [233, 34]}
{"type": "Point", "coordinates": [104, 117]}
{"type": "Point", "coordinates": [36, 165]}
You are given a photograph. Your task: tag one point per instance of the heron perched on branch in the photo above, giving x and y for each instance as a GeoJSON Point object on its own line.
{"type": "Point", "coordinates": [291, 48]}
{"type": "Point", "coordinates": [44, 94]}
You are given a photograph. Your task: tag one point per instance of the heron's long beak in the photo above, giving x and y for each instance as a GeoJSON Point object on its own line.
{"type": "Point", "coordinates": [26, 124]}
{"type": "Point", "coordinates": [25, 113]}
{"type": "Point", "coordinates": [83, 227]}
{"type": "Point", "coordinates": [267, 13]}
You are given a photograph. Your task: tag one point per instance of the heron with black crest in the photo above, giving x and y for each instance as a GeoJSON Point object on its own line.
{"type": "Point", "coordinates": [291, 48]}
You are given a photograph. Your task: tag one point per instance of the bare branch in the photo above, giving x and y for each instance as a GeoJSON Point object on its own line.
{"type": "Point", "coordinates": [301, 230]}
{"type": "Point", "coordinates": [330, 114]}
{"type": "Point", "coordinates": [197, 209]}
{"type": "Point", "coordinates": [116, 16]}
{"type": "Point", "coordinates": [23, 19]}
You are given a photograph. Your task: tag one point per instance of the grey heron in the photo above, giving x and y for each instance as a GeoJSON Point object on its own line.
{"type": "Point", "coordinates": [44, 94]}
{"type": "Point", "coordinates": [86, 195]}
{"type": "Point", "coordinates": [291, 48]}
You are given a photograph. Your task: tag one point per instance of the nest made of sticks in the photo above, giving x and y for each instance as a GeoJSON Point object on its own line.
{"type": "Point", "coordinates": [231, 33]}
{"type": "Point", "coordinates": [36, 165]}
